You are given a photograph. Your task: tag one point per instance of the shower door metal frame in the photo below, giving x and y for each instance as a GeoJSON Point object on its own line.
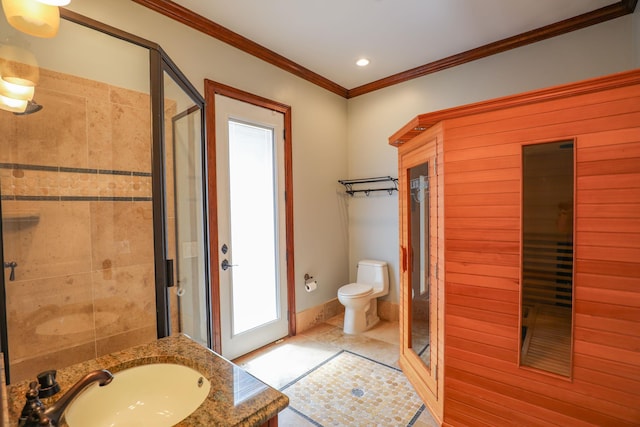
{"type": "Point", "coordinates": [161, 63]}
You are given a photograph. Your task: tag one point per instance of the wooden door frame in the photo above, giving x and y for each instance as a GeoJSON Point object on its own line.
{"type": "Point", "coordinates": [211, 89]}
{"type": "Point", "coordinates": [426, 147]}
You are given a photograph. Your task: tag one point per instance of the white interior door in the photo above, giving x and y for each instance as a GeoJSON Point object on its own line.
{"type": "Point", "coordinates": [251, 225]}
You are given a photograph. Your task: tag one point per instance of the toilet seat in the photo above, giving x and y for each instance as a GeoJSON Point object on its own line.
{"type": "Point", "coordinates": [354, 290]}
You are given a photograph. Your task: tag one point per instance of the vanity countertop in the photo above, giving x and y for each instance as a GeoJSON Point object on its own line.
{"type": "Point", "coordinates": [236, 398]}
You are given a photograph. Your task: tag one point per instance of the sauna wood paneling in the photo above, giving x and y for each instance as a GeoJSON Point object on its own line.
{"type": "Point", "coordinates": [483, 383]}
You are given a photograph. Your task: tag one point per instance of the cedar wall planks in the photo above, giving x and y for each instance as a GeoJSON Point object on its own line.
{"type": "Point", "coordinates": [483, 384]}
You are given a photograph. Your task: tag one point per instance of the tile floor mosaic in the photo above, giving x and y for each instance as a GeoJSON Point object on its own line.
{"type": "Point", "coordinates": [349, 389]}
{"type": "Point", "coordinates": [289, 362]}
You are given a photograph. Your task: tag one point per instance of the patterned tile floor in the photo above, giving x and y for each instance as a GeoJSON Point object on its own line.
{"type": "Point", "coordinates": [334, 379]}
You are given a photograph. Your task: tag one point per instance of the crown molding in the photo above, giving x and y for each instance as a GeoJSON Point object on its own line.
{"type": "Point", "coordinates": [217, 31]}
{"type": "Point", "coordinates": [562, 27]}
{"type": "Point", "coordinates": [206, 26]}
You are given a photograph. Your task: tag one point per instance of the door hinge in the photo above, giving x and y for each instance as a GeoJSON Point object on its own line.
{"type": "Point", "coordinates": [436, 267]}
{"type": "Point", "coordinates": [435, 166]}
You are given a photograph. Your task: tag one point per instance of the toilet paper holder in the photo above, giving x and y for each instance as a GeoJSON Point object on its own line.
{"type": "Point", "coordinates": [310, 284]}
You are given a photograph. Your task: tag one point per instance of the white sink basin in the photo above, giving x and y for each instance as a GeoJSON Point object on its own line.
{"type": "Point", "coordinates": [159, 394]}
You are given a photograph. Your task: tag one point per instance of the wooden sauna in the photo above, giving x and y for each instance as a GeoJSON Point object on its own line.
{"type": "Point", "coordinates": [529, 266]}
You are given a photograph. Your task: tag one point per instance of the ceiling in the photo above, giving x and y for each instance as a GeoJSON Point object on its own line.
{"type": "Point", "coordinates": [327, 37]}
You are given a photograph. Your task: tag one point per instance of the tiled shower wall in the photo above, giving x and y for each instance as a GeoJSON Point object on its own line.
{"type": "Point", "coordinates": [75, 182]}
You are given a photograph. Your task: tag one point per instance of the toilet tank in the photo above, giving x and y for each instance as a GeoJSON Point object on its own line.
{"type": "Point", "coordinates": [374, 273]}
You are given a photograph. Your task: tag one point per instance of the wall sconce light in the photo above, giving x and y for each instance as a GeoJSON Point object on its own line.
{"type": "Point", "coordinates": [39, 18]}
{"type": "Point", "coordinates": [12, 90]}
{"type": "Point", "coordinates": [19, 74]}
{"type": "Point", "coordinates": [13, 105]}
{"type": "Point", "coordinates": [56, 2]}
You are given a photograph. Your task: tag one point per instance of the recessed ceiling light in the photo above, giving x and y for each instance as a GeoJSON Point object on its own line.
{"type": "Point", "coordinates": [363, 62]}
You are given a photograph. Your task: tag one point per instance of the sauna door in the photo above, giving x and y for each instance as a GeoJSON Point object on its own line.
{"type": "Point", "coordinates": [418, 180]}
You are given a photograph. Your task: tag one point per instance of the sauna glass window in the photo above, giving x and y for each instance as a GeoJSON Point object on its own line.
{"type": "Point", "coordinates": [547, 256]}
{"type": "Point", "coordinates": [420, 254]}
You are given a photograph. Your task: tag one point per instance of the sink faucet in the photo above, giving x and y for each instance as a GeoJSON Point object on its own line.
{"type": "Point", "coordinates": [50, 417]}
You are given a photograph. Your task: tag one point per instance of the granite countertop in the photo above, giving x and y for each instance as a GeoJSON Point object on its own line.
{"type": "Point", "coordinates": [236, 398]}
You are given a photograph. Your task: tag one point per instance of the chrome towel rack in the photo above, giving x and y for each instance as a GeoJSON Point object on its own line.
{"type": "Point", "coordinates": [350, 183]}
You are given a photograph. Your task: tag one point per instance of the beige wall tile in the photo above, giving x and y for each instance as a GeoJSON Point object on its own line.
{"type": "Point", "coordinates": [141, 187]}
{"type": "Point", "coordinates": [57, 244]}
{"type": "Point", "coordinates": [78, 86]}
{"type": "Point", "coordinates": [7, 137]}
{"type": "Point", "coordinates": [49, 315]}
{"type": "Point", "coordinates": [309, 318]}
{"type": "Point", "coordinates": [56, 135]}
{"type": "Point", "coordinates": [99, 133]}
{"type": "Point", "coordinates": [122, 233]}
{"type": "Point", "coordinates": [6, 182]}
{"type": "Point", "coordinates": [30, 368]}
{"type": "Point", "coordinates": [118, 95]}
{"type": "Point", "coordinates": [388, 311]}
{"type": "Point", "coordinates": [124, 299]}
{"type": "Point", "coordinates": [125, 340]}
{"type": "Point", "coordinates": [131, 138]}
{"type": "Point", "coordinates": [332, 308]}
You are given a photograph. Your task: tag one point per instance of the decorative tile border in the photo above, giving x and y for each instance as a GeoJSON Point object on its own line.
{"type": "Point", "coordinates": [40, 182]}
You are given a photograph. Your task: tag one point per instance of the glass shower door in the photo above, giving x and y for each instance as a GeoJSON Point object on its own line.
{"type": "Point", "coordinates": [189, 299]}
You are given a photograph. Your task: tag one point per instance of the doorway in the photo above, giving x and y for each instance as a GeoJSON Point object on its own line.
{"type": "Point", "coordinates": [253, 263]}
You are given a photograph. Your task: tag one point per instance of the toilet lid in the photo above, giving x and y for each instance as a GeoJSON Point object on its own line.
{"type": "Point", "coordinates": [355, 290]}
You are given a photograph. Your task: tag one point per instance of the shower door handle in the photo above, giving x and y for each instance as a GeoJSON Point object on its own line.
{"type": "Point", "coordinates": [225, 264]}
{"type": "Point", "coordinates": [169, 272]}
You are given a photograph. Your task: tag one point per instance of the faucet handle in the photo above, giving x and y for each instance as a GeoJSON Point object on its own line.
{"type": "Point", "coordinates": [38, 418]}
{"type": "Point", "coordinates": [48, 384]}
{"type": "Point", "coordinates": [31, 406]}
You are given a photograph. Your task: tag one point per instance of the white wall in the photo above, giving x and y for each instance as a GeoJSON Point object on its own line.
{"type": "Point", "coordinates": [319, 133]}
{"type": "Point", "coordinates": [373, 228]}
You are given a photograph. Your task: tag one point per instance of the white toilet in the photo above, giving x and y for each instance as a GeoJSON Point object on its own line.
{"type": "Point", "coordinates": [360, 298]}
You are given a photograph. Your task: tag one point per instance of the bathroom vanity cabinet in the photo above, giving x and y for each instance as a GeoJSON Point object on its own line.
{"type": "Point", "coordinates": [519, 254]}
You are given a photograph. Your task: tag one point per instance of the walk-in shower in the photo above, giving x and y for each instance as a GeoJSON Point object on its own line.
{"type": "Point", "coordinates": [88, 201]}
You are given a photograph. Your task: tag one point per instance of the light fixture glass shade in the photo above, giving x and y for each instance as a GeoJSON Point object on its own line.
{"type": "Point", "coordinates": [56, 2]}
{"type": "Point", "coordinates": [11, 90]}
{"type": "Point", "coordinates": [13, 105]}
{"type": "Point", "coordinates": [18, 66]}
{"type": "Point", "coordinates": [32, 17]}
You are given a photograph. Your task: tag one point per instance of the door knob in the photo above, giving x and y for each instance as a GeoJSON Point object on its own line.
{"type": "Point", "coordinates": [225, 264]}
